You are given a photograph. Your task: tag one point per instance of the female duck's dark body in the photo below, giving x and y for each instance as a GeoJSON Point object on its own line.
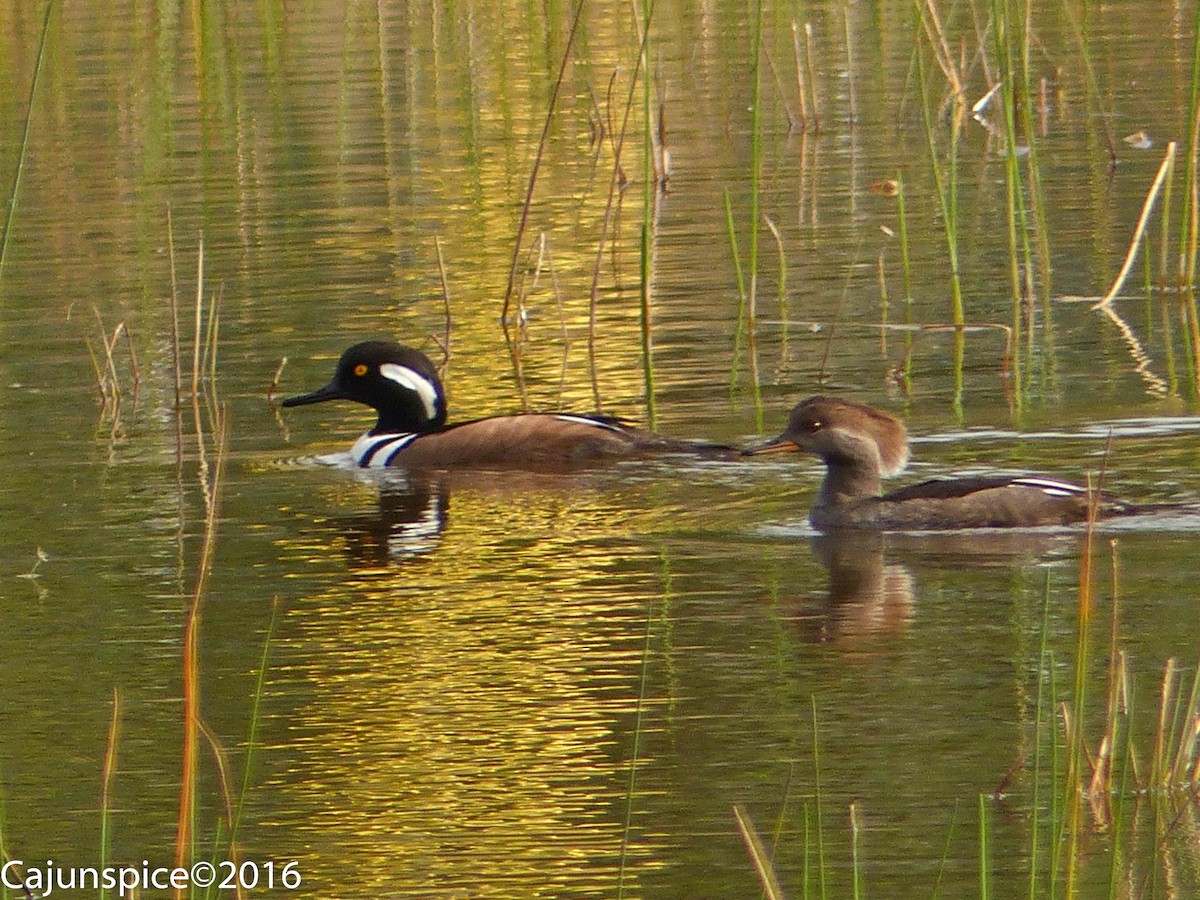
{"type": "Point", "coordinates": [861, 445]}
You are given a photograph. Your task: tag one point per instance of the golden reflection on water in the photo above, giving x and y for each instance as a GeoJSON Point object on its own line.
{"type": "Point", "coordinates": [455, 713]}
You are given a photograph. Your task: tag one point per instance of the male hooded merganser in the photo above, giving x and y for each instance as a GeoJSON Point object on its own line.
{"type": "Point", "coordinates": [403, 387]}
{"type": "Point", "coordinates": [859, 445]}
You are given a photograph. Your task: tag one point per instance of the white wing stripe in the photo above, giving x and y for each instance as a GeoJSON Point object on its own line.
{"type": "Point", "coordinates": [587, 420]}
{"type": "Point", "coordinates": [1052, 487]}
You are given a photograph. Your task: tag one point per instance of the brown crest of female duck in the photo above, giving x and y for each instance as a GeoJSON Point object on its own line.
{"type": "Point", "coordinates": [403, 387]}
{"type": "Point", "coordinates": [861, 445]}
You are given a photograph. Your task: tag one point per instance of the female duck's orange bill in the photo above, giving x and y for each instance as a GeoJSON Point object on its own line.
{"type": "Point", "coordinates": [781, 444]}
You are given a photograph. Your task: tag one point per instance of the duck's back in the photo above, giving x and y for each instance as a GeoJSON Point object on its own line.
{"type": "Point", "coordinates": [981, 502]}
{"type": "Point", "coordinates": [544, 441]}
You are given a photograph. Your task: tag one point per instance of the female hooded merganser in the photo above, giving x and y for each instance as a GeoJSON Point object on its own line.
{"type": "Point", "coordinates": [403, 387]}
{"type": "Point", "coordinates": [859, 445]}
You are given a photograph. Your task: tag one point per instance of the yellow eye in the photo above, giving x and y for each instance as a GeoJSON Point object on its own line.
{"type": "Point", "coordinates": [360, 369]}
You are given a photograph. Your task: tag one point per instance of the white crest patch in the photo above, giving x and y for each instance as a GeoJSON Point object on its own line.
{"type": "Point", "coordinates": [414, 381]}
{"type": "Point", "coordinates": [375, 451]}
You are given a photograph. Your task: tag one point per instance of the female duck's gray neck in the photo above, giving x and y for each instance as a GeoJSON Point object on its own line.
{"type": "Point", "coordinates": [850, 478]}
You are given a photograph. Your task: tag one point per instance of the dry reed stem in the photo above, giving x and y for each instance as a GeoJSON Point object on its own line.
{"type": "Point", "coordinates": [801, 93]}
{"type": "Point", "coordinates": [1138, 232]}
{"type": "Point", "coordinates": [19, 170]}
{"type": "Point", "coordinates": [274, 385]}
{"type": "Point", "coordinates": [787, 112]}
{"type": "Point", "coordinates": [222, 763]}
{"type": "Point", "coordinates": [616, 180]}
{"type": "Point", "coordinates": [812, 75]}
{"type": "Point", "coordinates": [174, 313]}
{"type": "Point", "coordinates": [758, 853]}
{"type": "Point", "coordinates": [1158, 774]}
{"type": "Point", "coordinates": [445, 342]}
{"type": "Point", "coordinates": [537, 162]}
{"type": "Point", "coordinates": [941, 49]}
{"type": "Point", "coordinates": [191, 642]}
{"type": "Point", "coordinates": [107, 777]}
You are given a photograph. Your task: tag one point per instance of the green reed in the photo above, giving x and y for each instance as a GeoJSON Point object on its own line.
{"type": "Point", "coordinates": [616, 178]}
{"type": "Point", "coordinates": [23, 154]}
{"type": "Point", "coordinates": [650, 194]}
{"type": "Point", "coordinates": [1189, 221]}
{"type": "Point", "coordinates": [745, 330]}
{"type": "Point", "coordinates": [527, 205]}
{"type": "Point", "coordinates": [985, 851]}
{"type": "Point", "coordinates": [816, 754]}
{"type": "Point", "coordinates": [106, 783]}
{"type": "Point", "coordinates": [1044, 666]}
{"type": "Point", "coordinates": [639, 719]}
{"type": "Point", "coordinates": [945, 183]}
{"type": "Point", "coordinates": [4, 857]}
{"type": "Point", "coordinates": [1035, 236]}
{"type": "Point", "coordinates": [1015, 218]}
{"type": "Point", "coordinates": [905, 273]}
{"type": "Point", "coordinates": [739, 331]}
{"type": "Point", "coordinates": [855, 866]}
{"type": "Point", "coordinates": [756, 54]}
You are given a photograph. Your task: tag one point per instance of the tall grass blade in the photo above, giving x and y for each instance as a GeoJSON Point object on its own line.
{"type": "Point", "coordinates": [821, 881]}
{"type": "Point", "coordinates": [23, 154]}
{"type": "Point", "coordinates": [739, 333]}
{"type": "Point", "coordinates": [1139, 231]}
{"type": "Point", "coordinates": [855, 867]}
{"type": "Point", "coordinates": [643, 689]}
{"type": "Point", "coordinates": [618, 143]}
{"type": "Point", "coordinates": [650, 183]}
{"type": "Point", "coordinates": [1189, 237]}
{"type": "Point", "coordinates": [523, 222]}
{"type": "Point", "coordinates": [758, 853]}
{"type": "Point", "coordinates": [946, 184]}
{"type": "Point", "coordinates": [255, 721]}
{"type": "Point", "coordinates": [985, 852]}
{"type": "Point", "coordinates": [106, 782]}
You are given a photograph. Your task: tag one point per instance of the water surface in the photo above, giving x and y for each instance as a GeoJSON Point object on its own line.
{"type": "Point", "coordinates": [513, 685]}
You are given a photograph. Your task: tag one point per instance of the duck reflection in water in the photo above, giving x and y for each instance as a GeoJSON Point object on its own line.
{"type": "Point", "coordinates": [409, 521]}
{"type": "Point", "coordinates": [870, 596]}
{"type": "Point", "coordinates": [866, 598]}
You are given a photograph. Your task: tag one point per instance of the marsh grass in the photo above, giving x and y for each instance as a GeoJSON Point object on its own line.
{"type": "Point", "coordinates": [14, 192]}
{"type": "Point", "coordinates": [945, 181]}
{"type": "Point", "coordinates": [106, 782]}
{"type": "Point", "coordinates": [745, 337]}
{"type": "Point", "coordinates": [210, 432]}
{"type": "Point", "coordinates": [616, 183]}
{"type": "Point", "coordinates": [757, 849]}
{"type": "Point", "coordinates": [1109, 791]}
{"type": "Point", "coordinates": [654, 179]}
{"type": "Point", "coordinates": [527, 205]}
{"type": "Point", "coordinates": [108, 372]}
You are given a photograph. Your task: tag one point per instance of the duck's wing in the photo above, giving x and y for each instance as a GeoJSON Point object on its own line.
{"type": "Point", "coordinates": [548, 441]}
{"type": "Point", "coordinates": [949, 489]}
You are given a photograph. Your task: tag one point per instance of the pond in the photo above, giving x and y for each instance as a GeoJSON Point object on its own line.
{"type": "Point", "coordinates": [651, 678]}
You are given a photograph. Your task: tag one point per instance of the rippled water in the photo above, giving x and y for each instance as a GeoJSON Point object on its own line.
{"type": "Point", "coordinates": [504, 684]}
